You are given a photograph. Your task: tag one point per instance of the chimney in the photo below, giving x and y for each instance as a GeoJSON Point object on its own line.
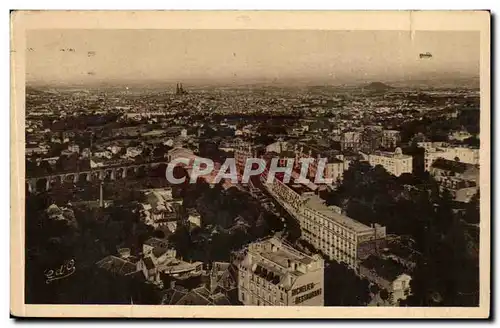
{"type": "Point", "coordinates": [101, 201]}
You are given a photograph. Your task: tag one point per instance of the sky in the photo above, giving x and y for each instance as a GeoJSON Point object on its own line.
{"type": "Point", "coordinates": [246, 56]}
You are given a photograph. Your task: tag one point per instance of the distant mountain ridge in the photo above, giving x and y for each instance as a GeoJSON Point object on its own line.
{"type": "Point", "coordinates": [440, 82]}
{"type": "Point", "coordinates": [377, 86]}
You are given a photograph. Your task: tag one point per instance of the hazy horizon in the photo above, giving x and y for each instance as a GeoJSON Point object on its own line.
{"type": "Point", "coordinates": [242, 57]}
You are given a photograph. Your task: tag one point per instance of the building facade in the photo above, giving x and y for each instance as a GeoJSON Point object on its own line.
{"type": "Point", "coordinates": [334, 166]}
{"type": "Point", "coordinates": [159, 258]}
{"type": "Point", "coordinates": [273, 273]}
{"type": "Point", "coordinates": [371, 138]}
{"type": "Point", "coordinates": [241, 155]}
{"type": "Point", "coordinates": [390, 138]}
{"type": "Point", "coordinates": [389, 275]}
{"type": "Point", "coordinates": [434, 150]}
{"type": "Point", "coordinates": [335, 235]}
{"type": "Point", "coordinates": [350, 140]}
{"type": "Point", "coordinates": [395, 163]}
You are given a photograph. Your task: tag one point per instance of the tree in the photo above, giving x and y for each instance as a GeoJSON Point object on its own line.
{"type": "Point", "coordinates": [472, 210]}
{"type": "Point", "coordinates": [45, 168]}
{"type": "Point", "coordinates": [346, 289]}
{"type": "Point", "coordinates": [159, 234]}
{"type": "Point", "coordinates": [182, 241]}
{"type": "Point", "coordinates": [448, 265]}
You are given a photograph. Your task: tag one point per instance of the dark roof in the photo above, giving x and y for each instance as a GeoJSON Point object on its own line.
{"type": "Point", "coordinates": [397, 248]}
{"type": "Point", "coordinates": [453, 166]}
{"type": "Point", "coordinates": [133, 259]}
{"type": "Point", "coordinates": [136, 275]}
{"type": "Point", "coordinates": [192, 211]}
{"type": "Point", "coordinates": [333, 159]}
{"type": "Point", "coordinates": [220, 299]}
{"type": "Point", "coordinates": [193, 298]}
{"type": "Point", "coordinates": [198, 296]}
{"type": "Point", "coordinates": [268, 275]}
{"type": "Point", "coordinates": [203, 292]}
{"type": "Point", "coordinates": [116, 265]}
{"type": "Point", "coordinates": [156, 242]}
{"type": "Point", "coordinates": [384, 268]}
{"type": "Point", "coordinates": [173, 295]}
{"type": "Point", "coordinates": [159, 251]}
{"type": "Point", "coordinates": [220, 266]}
{"type": "Point", "coordinates": [148, 263]}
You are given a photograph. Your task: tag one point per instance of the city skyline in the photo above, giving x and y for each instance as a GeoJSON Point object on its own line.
{"type": "Point", "coordinates": [237, 57]}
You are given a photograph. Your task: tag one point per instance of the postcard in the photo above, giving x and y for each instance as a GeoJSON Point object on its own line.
{"type": "Point", "coordinates": [250, 164]}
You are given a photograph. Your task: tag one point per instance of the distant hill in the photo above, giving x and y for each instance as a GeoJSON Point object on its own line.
{"type": "Point", "coordinates": [37, 91]}
{"type": "Point", "coordinates": [377, 86]}
{"type": "Point", "coordinates": [440, 83]}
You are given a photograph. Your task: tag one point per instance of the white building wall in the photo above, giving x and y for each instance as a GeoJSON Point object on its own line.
{"type": "Point", "coordinates": [393, 165]}
{"type": "Point", "coordinates": [306, 289]}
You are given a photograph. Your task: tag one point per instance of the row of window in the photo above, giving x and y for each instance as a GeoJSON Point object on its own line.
{"type": "Point", "coordinates": [258, 293]}
{"type": "Point", "coordinates": [335, 253]}
{"type": "Point", "coordinates": [258, 282]}
{"type": "Point", "coordinates": [337, 243]}
{"type": "Point", "coordinates": [328, 237]}
{"type": "Point", "coordinates": [255, 300]}
{"type": "Point", "coordinates": [325, 223]}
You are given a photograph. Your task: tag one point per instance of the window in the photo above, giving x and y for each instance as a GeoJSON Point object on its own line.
{"type": "Point", "coordinates": [242, 296]}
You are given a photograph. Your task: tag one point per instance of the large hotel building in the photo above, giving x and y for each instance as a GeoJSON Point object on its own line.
{"type": "Point", "coordinates": [337, 236]}
{"type": "Point", "coordinates": [435, 150]}
{"type": "Point", "coordinates": [275, 274]}
{"type": "Point", "coordinates": [395, 163]}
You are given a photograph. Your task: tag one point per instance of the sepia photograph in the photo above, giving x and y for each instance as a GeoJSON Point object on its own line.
{"type": "Point", "coordinates": [250, 164]}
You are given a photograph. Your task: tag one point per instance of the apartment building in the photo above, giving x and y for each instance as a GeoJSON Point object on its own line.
{"type": "Point", "coordinates": [351, 140]}
{"type": "Point", "coordinates": [159, 258]}
{"type": "Point", "coordinates": [334, 166]}
{"type": "Point", "coordinates": [283, 194]}
{"type": "Point", "coordinates": [371, 138]}
{"type": "Point", "coordinates": [389, 275]}
{"type": "Point", "coordinates": [273, 273]}
{"type": "Point", "coordinates": [241, 155]}
{"type": "Point", "coordinates": [435, 150]}
{"type": "Point", "coordinates": [390, 138]}
{"type": "Point", "coordinates": [334, 234]}
{"type": "Point", "coordinates": [395, 163]}
{"type": "Point", "coordinates": [330, 232]}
